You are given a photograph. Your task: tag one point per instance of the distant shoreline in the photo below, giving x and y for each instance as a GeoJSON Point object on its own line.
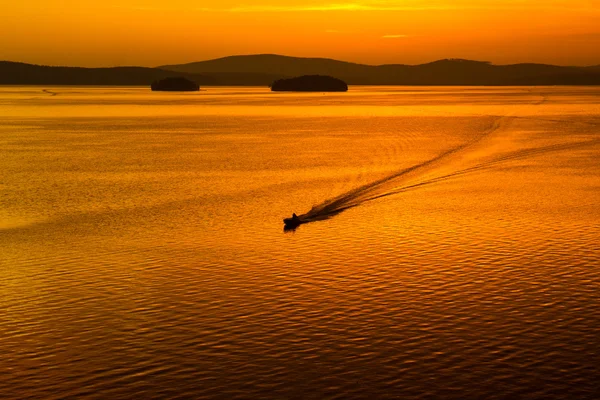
{"type": "Point", "coordinates": [263, 70]}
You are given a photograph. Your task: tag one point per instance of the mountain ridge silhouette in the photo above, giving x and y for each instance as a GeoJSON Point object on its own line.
{"type": "Point", "coordinates": [440, 72]}
{"type": "Point", "coordinates": [263, 69]}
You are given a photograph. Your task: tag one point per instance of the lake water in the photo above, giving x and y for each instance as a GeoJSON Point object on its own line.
{"type": "Point", "coordinates": [454, 250]}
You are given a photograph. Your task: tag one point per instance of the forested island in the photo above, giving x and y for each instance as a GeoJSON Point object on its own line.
{"type": "Point", "coordinates": [310, 83]}
{"type": "Point", "coordinates": [175, 84]}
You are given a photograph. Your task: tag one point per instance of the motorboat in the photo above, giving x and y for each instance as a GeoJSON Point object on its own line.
{"type": "Point", "coordinates": [291, 223]}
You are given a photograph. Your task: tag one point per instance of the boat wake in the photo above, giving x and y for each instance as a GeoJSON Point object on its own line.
{"type": "Point", "coordinates": [453, 163]}
{"type": "Point", "coordinates": [391, 183]}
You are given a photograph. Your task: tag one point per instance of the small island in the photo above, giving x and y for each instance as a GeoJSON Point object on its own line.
{"type": "Point", "coordinates": [310, 83]}
{"type": "Point", "coordinates": [175, 84]}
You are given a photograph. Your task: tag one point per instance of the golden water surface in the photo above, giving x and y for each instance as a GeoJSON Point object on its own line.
{"type": "Point", "coordinates": [453, 248]}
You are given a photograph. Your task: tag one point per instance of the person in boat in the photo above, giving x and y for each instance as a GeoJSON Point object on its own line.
{"type": "Point", "coordinates": [295, 220]}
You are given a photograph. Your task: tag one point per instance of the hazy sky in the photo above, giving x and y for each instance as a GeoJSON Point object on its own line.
{"type": "Point", "coordinates": [155, 32]}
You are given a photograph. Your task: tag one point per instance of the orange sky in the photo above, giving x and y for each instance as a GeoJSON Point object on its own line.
{"type": "Point", "coordinates": [155, 32]}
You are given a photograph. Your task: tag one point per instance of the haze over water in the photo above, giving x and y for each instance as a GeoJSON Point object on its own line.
{"type": "Point", "coordinates": [453, 254]}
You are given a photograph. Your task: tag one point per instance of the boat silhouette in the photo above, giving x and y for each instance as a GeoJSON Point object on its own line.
{"type": "Point", "coordinates": [293, 222]}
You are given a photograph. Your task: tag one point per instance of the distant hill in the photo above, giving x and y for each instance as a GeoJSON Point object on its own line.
{"type": "Point", "coordinates": [15, 73]}
{"type": "Point", "coordinates": [263, 69]}
{"type": "Point", "coordinates": [275, 64]}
